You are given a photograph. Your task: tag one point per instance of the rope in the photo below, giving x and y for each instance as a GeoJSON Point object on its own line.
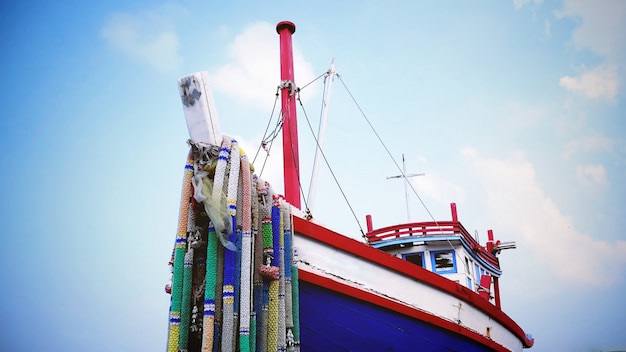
{"type": "Point", "coordinates": [276, 233]}
{"type": "Point", "coordinates": [258, 264]}
{"type": "Point", "coordinates": [387, 150]}
{"type": "Point", "coordinates": [282, 343]}
{"type": "Point", "coordinates": [295, 293]}
{"type": "Point", "coordinates": [272, 329]}
{"type": "Point", "coordinates": [209, 292]}
{"type": "Point", "coordinates": [266, 317]}
{"type": "Point", "coordinates": [179, 254]}
{"type": "Point", "coordinates": [210, 304]}
{"type": "Point", "coordinates": [253, 312]}
{"type": "Point", "coordinates": [238, 239]}
{"type": "Point", "coordinates": [228, 292]}
{"type": "Point", "coordinates": [185, 310]}
{"type": "Point", "coordinates": [185, 316]}
{"type": "Point", "coordinates": [267, 127]}
{"type": "Point", "coordinates": [345, 198]}
{"type": "Point", "coordinates": [256, 261]}
{"type": "Point", "coordinates": [219, 274]}
{"type": "Point", "coordinates": [269, 269]}
{"type": "Point", "coordinates": [313, 81]}
{"type": "Point", "coordinates": [288, 289]}
{"type": "Point", "coordinates": [237, 280]}
{"type": "Point", "coordinates": [246, 256]}
{"type": "Point", "coordinates": [273, 288]}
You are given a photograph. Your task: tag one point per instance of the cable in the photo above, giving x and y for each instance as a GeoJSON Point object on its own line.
{"type": "Point", "coordinates": [318, 77]}
{"type": "Point", "coordinates": [268, 140]}
{"type": "Point", "coordinates": [391, 156]}
{"type": "Point", "coordinates": [329, 168]}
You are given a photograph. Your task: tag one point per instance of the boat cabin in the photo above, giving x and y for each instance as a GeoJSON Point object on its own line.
{"type": "Point", "coordinates": [445, 248]}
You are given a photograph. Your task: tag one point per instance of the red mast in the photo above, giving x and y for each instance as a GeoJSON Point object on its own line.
{"type": "Point", "coordinates": [291, 164]}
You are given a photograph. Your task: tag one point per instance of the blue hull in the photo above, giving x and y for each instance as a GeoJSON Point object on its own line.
{"type": "Point", "coordinates": [330, 321]}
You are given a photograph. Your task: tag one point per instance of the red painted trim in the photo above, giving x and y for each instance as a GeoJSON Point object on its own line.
{"type": "Point", "coordinates": [455, 216]}
{"type": "Point", "coordinates": [496, 288]}
{"type": "Point", "coordinates": [490, 241]}
{"type": "Point", "coordinates": [431, 228]}
{"type": "Point", "coordinates": [398, 307]}
{"type": "Point", "coordinates": [359, 249]}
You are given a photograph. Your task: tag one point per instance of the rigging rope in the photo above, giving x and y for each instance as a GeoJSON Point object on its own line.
{"type": "Point", "coordinates": [313, 81]}
{"type": "Point", "coordinates": [269, 139]}
{"type": "Point", "coordinates": [329, 168]}
{"type": "Point", "coordinates": [382, 142]}
{"type": "Point", "coordinates": [392, 158]}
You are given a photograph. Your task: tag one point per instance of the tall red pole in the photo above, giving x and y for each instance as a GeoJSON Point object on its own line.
{"type": "Point", "coordinates": [291, 163]}
{"type": "Point", "coordinates": [496, 288]}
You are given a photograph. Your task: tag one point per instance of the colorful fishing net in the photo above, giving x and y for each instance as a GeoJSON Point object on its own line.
{"type": "Point", "coordinates": [232, 259]}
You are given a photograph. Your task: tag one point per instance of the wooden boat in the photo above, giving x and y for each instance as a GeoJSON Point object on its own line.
{"type": "Point", "coordinates": [420, 286]}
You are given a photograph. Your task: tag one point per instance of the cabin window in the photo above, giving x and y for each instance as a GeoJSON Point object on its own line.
{"type": "Point", "coordinates": [444, 262]}
{"type": "Point", "coordinates": [469, 283]}
{"type": "Point", "coordinates": [415, 258]}
{"type": "Point", "coordinates": [467, 266]}
{"type": "Point", "coordinates": [476, 273]}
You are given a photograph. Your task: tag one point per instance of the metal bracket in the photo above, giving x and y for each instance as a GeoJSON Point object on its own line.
{"type": "Point", "coordinates": [288, 84]}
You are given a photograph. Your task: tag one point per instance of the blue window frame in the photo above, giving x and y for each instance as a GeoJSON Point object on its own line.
{"type": "Point", "coordinates": [444, 262]}
{"type": "Point", "coordinates": [415, 258]}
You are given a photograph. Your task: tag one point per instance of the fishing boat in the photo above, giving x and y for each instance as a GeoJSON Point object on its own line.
{"type": "Point", "coordinates": [252, 271]}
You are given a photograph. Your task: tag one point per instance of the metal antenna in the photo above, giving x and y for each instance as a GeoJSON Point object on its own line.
{"type": "Point", "coordinates": [406, 192]}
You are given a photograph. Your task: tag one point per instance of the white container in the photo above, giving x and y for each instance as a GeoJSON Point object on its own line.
{"type": "Point", "coordinates": [199, 109]}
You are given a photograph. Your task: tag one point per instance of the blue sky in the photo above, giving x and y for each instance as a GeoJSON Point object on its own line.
{"type": "Point", "coordinates": [513, 109]}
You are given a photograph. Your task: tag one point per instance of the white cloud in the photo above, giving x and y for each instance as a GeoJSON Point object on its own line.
{"type": "Point", "coordinates": [148, 37]}
{"type": "Point", "coordinates": [601, 30]}
{"type": "Point", "coordinates": [254, 73]}
{"type": "Point", "coordinates": [546, 26]}
{"type": "Point", "coordinates": [599, 83]}
{"type": "Point", "coordinates": [520, 3]}
{"type": "Point", "coordinates": [591, 174]}
{"type": "Point", "coordinates": [522, 210]}
{"type": "Point", "coordinates": [589, 143]}
{"type": "Point", "coordinates": [438, 189]}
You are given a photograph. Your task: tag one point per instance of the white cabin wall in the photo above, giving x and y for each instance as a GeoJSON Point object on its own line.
{"type": "Point", "coordinates": [463, 272]}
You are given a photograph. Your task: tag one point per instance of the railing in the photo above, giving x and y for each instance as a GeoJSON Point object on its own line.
{"type": "Point", "coordinates": [431, 229]}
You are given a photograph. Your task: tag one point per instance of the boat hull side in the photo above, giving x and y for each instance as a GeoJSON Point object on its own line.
{"type": "Point", "coordinates": [346, 262]}
{"type": "Point", "coordinates": [332, 321]}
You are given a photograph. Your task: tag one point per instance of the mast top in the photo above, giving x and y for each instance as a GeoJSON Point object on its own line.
{"type": "Point", "coordinates": [286, 24]}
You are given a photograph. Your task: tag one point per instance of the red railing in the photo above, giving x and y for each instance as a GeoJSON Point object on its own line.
{"type": "Point", "coordinates": [431, 229]}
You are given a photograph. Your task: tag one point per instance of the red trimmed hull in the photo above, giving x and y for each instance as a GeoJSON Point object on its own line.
{"type": "Point", "coordinates": [334, 321]}
{"type": "Point", "coordinates": [339, 313]}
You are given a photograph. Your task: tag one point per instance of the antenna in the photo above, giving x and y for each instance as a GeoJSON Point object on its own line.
{"type": "Point", "coordinates": [406, 192]}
